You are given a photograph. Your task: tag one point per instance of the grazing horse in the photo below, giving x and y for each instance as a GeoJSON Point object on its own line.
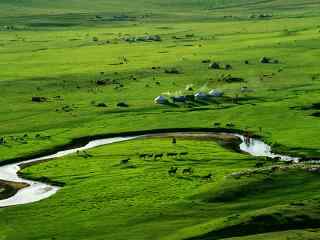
{"type": "Point", "coordinates": [143, 156]}
{"type": "Point", "coordinates": [169, 154]}
{"type": "Point", "coordinates": [158, 156]}
{"type": "Point", "coordinates": [230, 125]}
{"type": "Point", "coordinates": [207, 177]}
{"type": "Point", "coordinates": [187, 171]}
{"type": "Point", "coordinates": [125, 161]}
{"type": "Point", "coordinates": [2, 140]}
{"type": "Point", "coordinates": [247, 138]}
{"type": "Point", "coordinates": [172, 170]}
{"type": "Point", "coordinates": [150, 155]}
{"type": "Point", "coordinates": [183, 154]}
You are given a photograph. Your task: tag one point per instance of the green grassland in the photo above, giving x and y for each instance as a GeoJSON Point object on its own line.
{"type": "Point", "coordinates": [59, 49]}
{"type": "Point", "coordinates": [51, 63]}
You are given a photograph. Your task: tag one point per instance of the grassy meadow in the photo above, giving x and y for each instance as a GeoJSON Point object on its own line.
{"type": "Point", "coordinates": [77, 56]}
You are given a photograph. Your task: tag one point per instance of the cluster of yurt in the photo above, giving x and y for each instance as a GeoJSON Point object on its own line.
{"type": "Point", "coordinates": [211, 94]}
{"type": "Point", "coordinates": [215, 93]}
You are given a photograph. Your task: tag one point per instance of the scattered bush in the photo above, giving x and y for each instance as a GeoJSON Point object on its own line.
{"type": "Point", "coordinates": [206, 61]}
{"type": "Point", "coordinates": [172, 71]}
{"type": "Point", "coordinates": [122, 104]}
{"type": "Point", "coordinates": [39, 99]}
{"type": "Point", "coordinates": [316, 114]}
{"type": "Point", "coordinates": [228, 67]}
{"type": "Point", "coordinates": [101, 82]}
{"type": "Point", "coordinates": [230, 79]}
{"type": "Point", "coordinates": [214, 65]}
{"type": "Point", "coordinates": [101, 105]}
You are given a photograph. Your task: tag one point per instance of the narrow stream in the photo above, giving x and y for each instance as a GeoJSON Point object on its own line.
{"type": "Point", "coordinates": [37, 191]}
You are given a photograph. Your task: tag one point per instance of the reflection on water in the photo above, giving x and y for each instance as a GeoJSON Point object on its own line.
{"type": "Point", "coordinates": [256, 147]}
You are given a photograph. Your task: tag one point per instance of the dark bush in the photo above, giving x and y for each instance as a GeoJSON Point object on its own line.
{"type": "Point", "coordinates": [265, 60]}
{"type": "Point", "coordinates": [101, 82]}
{"type": "Point", "coordinates": [122, 104]}
{"type": "Point", "coordinates": [214, 65]}
{"type": "Point", "coordinates": [39, 99]}
{"type": "Point", "coordinates": [231, 79]}
{"type": "Point", "coordinates": [101, 105]}
{"type": "Point", "coordinates": [172, 71]}
{"type": "Point", "coordinates": [206, 61]}
{"type": "Point", "coordinates": [228, 67]}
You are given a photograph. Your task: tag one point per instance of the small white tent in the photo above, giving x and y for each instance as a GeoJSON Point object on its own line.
{"type": "Point", "coordinates": [160, 100]}
{"type": "Point", "coordinates": [200, 96]}
{"type": "Point", "coordinates": [216, 93]}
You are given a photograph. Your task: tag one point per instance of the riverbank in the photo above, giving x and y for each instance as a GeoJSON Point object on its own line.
{"type": "Point", "coordinates": [9, 189]}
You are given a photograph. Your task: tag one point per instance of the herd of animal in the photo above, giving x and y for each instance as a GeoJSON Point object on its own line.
{"type": "Point", "coordinates": [157, 156]}
{"type": "Point", "coordinates": [173, 170]}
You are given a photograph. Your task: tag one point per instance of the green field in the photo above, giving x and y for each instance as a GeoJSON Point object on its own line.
{"type": "Point", "coordinates": [61, 50]}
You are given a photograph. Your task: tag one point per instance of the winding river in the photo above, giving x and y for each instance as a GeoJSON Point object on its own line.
{"type": "Point", "coordinates": [36, 191]}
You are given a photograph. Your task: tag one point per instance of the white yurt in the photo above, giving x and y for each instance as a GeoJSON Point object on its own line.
{"type": "Point", "coordinates": [200, 96]}
{"type": "Point", "coordinates": [216, 93]}
{"type": "Point", "coordinates": [160, 100]}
